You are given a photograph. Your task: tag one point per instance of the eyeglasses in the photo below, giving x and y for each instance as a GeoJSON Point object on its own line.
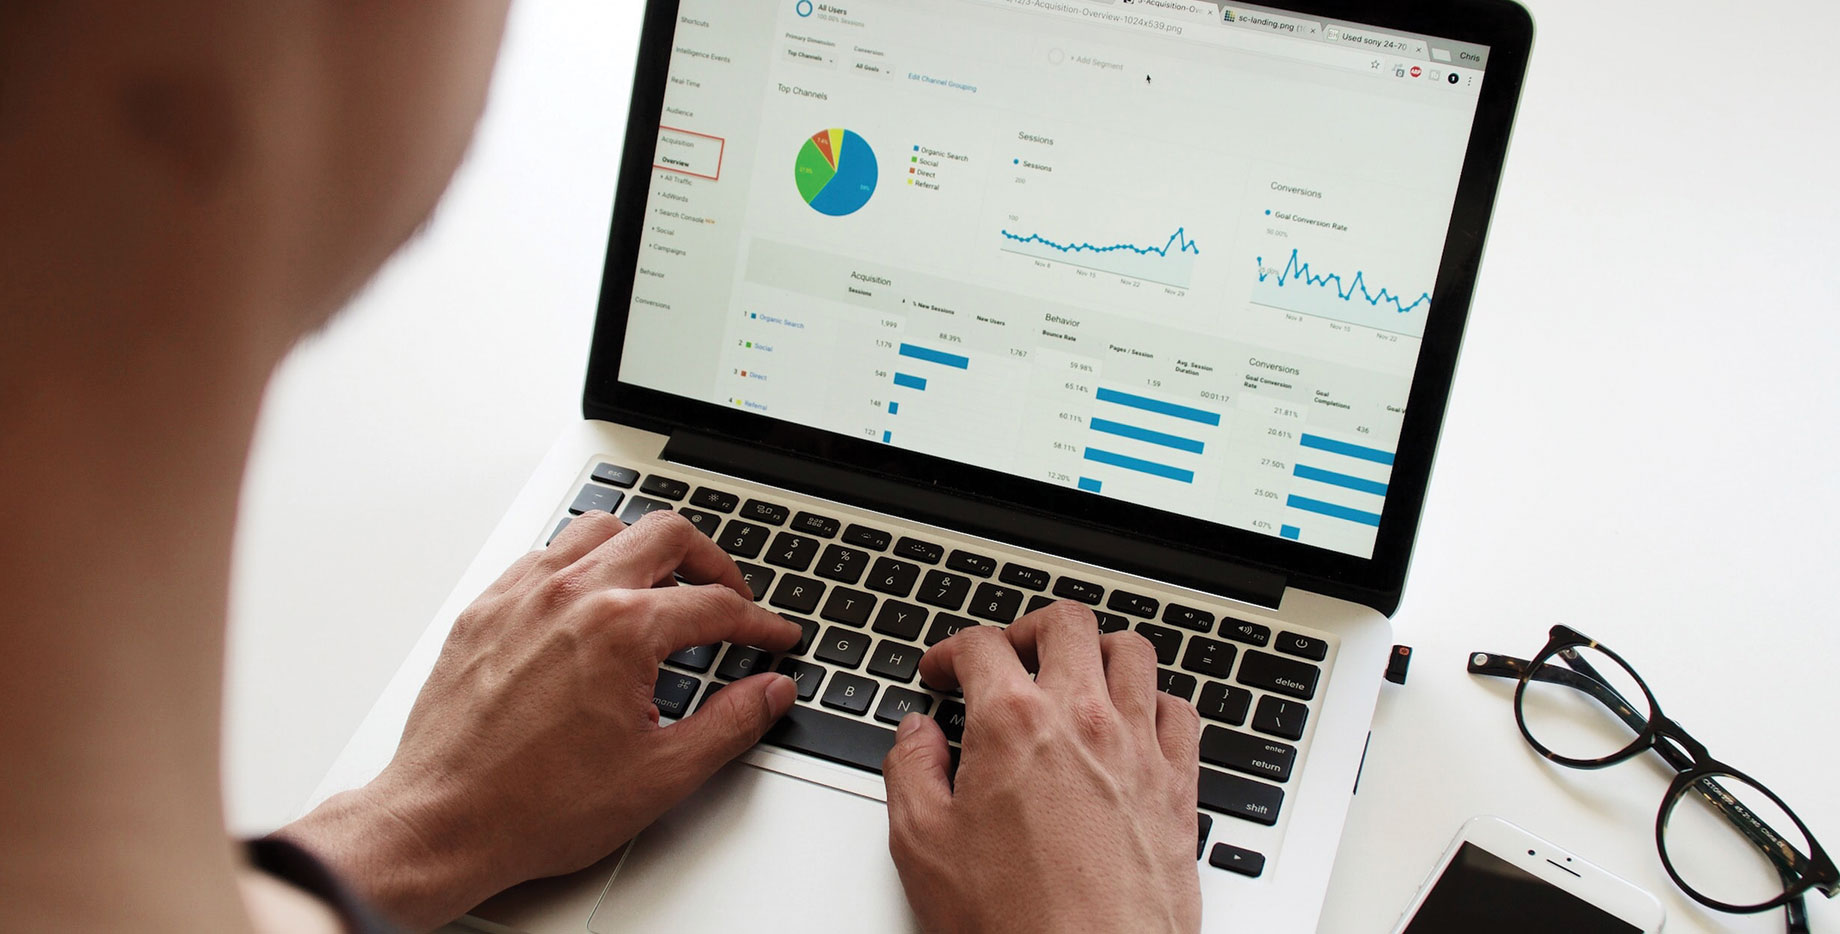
{"type": "Point", "coordinates": [1726, 840]}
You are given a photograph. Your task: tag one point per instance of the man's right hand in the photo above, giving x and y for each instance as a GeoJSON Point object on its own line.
{"type": "Point", "coordinates": [1074, 803]}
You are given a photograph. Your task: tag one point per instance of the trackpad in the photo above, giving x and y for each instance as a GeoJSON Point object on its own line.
{"type": "Point", "coordinates": [754, 846]}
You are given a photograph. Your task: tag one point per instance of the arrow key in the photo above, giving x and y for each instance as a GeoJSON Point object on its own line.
{"type": "Point", "coordinates": [1234, 859]}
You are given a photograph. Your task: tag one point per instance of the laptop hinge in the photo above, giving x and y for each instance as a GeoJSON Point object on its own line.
{"type": "Point", "coordinates": [937, 506]}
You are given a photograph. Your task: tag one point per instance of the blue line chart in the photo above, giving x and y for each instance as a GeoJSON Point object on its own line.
{"type": "Point", "coordinates": [1178, 241]}
{"type": "Point", "coordinates": [1171, 264]}
{"type": "Point", "coordinates": [1297, 270]}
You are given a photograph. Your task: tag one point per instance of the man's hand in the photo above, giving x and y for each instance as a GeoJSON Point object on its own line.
{"type": "Point", "coordinates": [534, 748]}
{"type": "Point", "coordinates": [1074, 803]}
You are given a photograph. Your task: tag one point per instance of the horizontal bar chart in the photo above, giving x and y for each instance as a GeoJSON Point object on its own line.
{"type": "Point", "coordinates": [1158, 406]}
{"type": "Point", "coordinates": [887, 437]}
{"type": "Point", "coordinates": [1107, 426]}
{"type": "Point", "coordinates": [940, 357]}
{"type": "Point", "coordinates": [1090, 485]}
{"type": "Point", "coordinates": [1291, 532]}
{"type": "Point", "coordinates": [1347, 450]}
{"type": "Point", "coordinates": [1333, 510]}
{"type": "Point", "coordinates": [1140, 465]}
{"type": "Point", "coordinates": [894, 407]}
{"type": "Point", "coordinates": [1346, 482]}
{"type": "Point", "coordinates": [910, 381]}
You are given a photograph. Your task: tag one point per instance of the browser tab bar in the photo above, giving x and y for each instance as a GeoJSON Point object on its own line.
{"type": "Point", "coordinates": [1376, 41]}
{"type": "Point", "coordinates": [1271, 22]}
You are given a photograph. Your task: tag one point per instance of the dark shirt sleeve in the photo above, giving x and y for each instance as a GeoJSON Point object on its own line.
{"type": "Point", "coordinates": [298, 868]}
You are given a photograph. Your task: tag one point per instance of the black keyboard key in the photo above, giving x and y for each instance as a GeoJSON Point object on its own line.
{"type": "Point", "coordinates": [1176, 684]}
{"type": "Point", "coordinates": [673, 693]}
{"type": "Point", "coordinates": [965, 562]}
{"type": "Point", "coordinates": [900, 620]}
{"type": "Point", "coordinates": [742, 539]}
{"type": "Point", "coordinates": [709, 692]}
{"type": "Point", "coordinates": [1188, 617]}
{"type": "Point", "coordinates": [1241, 631]}
{"type": "Point", "coordinates": [1291, 643]}
{"type": "Point", "coordinates": [595, 497]}
{"type": "Point", "coordinates": [851, 607]}
{"type": "Point", "coordinates": [665, 487]}
{"type": "Point", "coordinates": [945, 626]}
{"type": "Point", "coordinates": [1278, 675]}
{"type": "Point", "coordinates": [808, 631]}
{"type": "Point", "coordinates": [944, 590]}
{"type": "Point", "coordinates": [828, 736]}
{"type": "Point", "coordinates": [697, 658]}
{"type": "Point", "coordinates": [1243, 752]}
{"type": "Point", "coordinates": [1167, 641]}
{"type": "Point", "coordinates": [842, 647]}
{"type": "Point", "coordinates": [895, 578]}
{"type": "Point", "coordinates": [764, 512]}
{"type": "Point", "coordinates": [707, 523]}
{"type": "Point", "coordinates": [896, 661]}
{"type": "Point", "coordinates": [844, 565]}
{"type": "Point", "coordinates": [1240, 797]}
{"type": "Point", "coordinates": [995, 603]}
{"type": "Point", "coordinates": [951, 717]}
{"type": "Point", "coordinates": [1038, 601]}
{"type": "Point", "coordinates": [639, 506]}
{"type": "Point", "coordinates": [623, 477]}
{"type": "Point", "coordinates": [1203, 825]}
{"type": "Point", "coordinates": [758, 578]}
{"type": "Point", "coordinates": [899, 702]}
{"type": "Point", "coordinates": [798, 594]}
{"type": "Point", "coordinates": [848, 692]}
{"type": "Point", "coordinates": [865, 537]}
{"type": "Point", "coordinates": [1207, 657]}
{"type": "Point", "coordinates": [714, 499]}
{"type": "Point", "coordinates": [741, 661]}
{"type": "Point", "coordinates": [1224, 702]}
{"type": "Point", "coordinates": [813, 524]}
{"type": "Point", "coordinates": [559, 527]}
{"type": "Point", "coordinates": [1133, 604]}
{"type": "Point", "coordinates": [805, 676]}
{"type": "Point", "coordinates": [1234, 859]}
{"type": "Point", "coordinates": [1068, 588]}
{"type": "Point", "coordinates": [792, 551]}
{"type": "Point", "coordinates": [1111, 622]}
{"type": "Point", "coordinates": [1025, 577]}
{"type": "Point", "coordinates": [917, 550]}
{"type": "Point", "coordinates": [1280, 717]}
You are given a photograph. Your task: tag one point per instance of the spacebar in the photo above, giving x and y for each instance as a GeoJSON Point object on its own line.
{"type": "Point", "coordinates": [851, 742]}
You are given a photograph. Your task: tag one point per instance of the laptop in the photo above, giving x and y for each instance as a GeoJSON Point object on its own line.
{"type": "Point", "coordinates": [930, 312]}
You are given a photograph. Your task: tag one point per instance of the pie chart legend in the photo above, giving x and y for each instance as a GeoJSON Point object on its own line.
{"type": "Point", "coordinates": [836, 172]}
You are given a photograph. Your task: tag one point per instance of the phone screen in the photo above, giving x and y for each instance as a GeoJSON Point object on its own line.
{"type": "Point", "coordinates": [1480, 891]}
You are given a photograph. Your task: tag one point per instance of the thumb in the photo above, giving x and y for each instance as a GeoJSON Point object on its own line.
{"type": "Point", "coordinates": [730, 721]}
{"type": "Point", "coordinates": [915, 770]}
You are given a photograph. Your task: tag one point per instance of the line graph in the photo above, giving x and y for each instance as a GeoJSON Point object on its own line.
{"type": "Point", "coordinates": [1296, 287]}
{"type": "Point", "coordinates": [1171, 264]}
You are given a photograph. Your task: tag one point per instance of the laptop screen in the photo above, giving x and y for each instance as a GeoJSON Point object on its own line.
{"type": "Point", "coordinates": [1175, 253]}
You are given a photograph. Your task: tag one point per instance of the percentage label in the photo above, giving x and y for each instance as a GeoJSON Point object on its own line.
{"type": "Point", "coordinates": [1279, 433]}
{"type": "Point", "coordinates": [1059, 477]}
{"type": "Point", "coordinates": [1273, 463]}
{"type": "Point", "coordinates": [1265, 494]}
{"type": "Point", "coordinates": [1283, 412]}
{"type": "Point", "coordinates": [1079, 367]}
{"type": "Point", "coordinates": [951, 338]}
{"type": "Point", "coordinates": [1071, 417]}
{"type": "Point", "coordinates": [1077, 387]}
{"type": "Point", "coordinates": [1064, 446]}
{"type": "Point", "coordinates": [1261, 524]}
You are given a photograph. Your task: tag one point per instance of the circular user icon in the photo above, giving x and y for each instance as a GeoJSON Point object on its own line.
{"type": "Point", "coordinates": [1454, 78]}
{"type": "Point", "coordinates": [803, 7]}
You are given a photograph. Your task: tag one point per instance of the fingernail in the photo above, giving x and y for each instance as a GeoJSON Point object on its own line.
{"type": "Point", "coordinates": [909, 724]}
{"type": "Point", "coordinates": [781, 692]}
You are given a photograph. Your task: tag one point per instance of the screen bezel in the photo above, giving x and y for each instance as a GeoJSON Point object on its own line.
{"type": "Point", "coordinates": [1377, 582]}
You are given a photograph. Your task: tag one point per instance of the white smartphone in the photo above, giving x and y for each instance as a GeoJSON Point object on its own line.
{"type": "Point", "coordinates": [1499, 878]}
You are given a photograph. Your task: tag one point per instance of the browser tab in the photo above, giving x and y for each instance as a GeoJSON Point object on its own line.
{"type": "Point", "coordinates": [1271, 22]}
{"type": "Point", "coordinates": [1461, 54]}
{"type": "Point", "coordinates": [1376, 41]}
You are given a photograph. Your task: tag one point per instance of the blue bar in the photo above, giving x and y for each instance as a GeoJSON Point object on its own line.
{"type": "Point", "coordinates": [894, 407]}
{"type": "Point", "coordinates": [1090, 485]}
{"type": "Point", "coordinates": [911, 382]}
{"type": "Point", "coordinates": [1290, 531]}
{"type": "Point", "coordinates": [1141, 466]}
{"type": "Point", "coordinates": [1144, 434]}
{"type": "Point", "coordinates": [1332, 510]}
{"type": "Point", "coordinates": [1158, 406]}
{"type": "Point", "coordinates": [887, 437]}
{"type": "Point", "coordinates": [1349, 450]}
{"type": "Point", "coordinates": [1339, 479]}
{"type": "Point", "coordinates": [935, 356]}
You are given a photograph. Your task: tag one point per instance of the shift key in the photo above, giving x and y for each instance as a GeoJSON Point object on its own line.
{"type": "Point", "coordinates": [1240, 797]}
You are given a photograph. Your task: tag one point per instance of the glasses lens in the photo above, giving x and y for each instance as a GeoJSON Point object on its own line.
{"type": "Point", "coordinates": [1583, 704]}
{"type": "Point", "coordinates": [1728, 841]}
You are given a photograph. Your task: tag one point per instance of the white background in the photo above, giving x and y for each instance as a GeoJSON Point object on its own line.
{"type": "Point", "coordinates": [1639, 444]}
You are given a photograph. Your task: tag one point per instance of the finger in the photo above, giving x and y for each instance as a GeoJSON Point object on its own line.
{"type": "Point", "coordinates": [657, 547]}
{"type": "Point", "coordinates": [729, 722]}
{"type": "Point", "coordinates": [698, 615]}
{"type": "Point", "coordinates": [978, 660]}
{"type": "Point", "coordinates": [915, 772]}
{"type": "Point", "coordinates": [1130, 676]}
{"type": "Point", "coordinates": [513, 574]}
{"type": "Point", "coordinates": [1178, 729]}
{"type": "Point", "coordinates": [1064, 639]}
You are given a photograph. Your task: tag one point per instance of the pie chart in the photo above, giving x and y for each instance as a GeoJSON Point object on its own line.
{"type": "Point", "coordinates": [836, 172]}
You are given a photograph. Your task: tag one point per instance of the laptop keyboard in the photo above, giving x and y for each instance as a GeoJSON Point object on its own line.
{"type": "Point", "coordinates": [870, 602]}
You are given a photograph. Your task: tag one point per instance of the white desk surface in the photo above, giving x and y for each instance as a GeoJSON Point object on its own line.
{"type": "Point", "coordinates": [1638, 444]}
